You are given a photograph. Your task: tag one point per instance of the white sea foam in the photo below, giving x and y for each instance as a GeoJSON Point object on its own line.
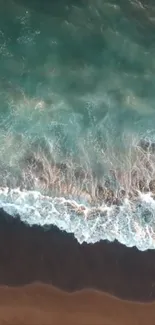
{"type": "Point", "coordinates": [132, 223]}
{"type": "Point", "coordinates": [77, 118]}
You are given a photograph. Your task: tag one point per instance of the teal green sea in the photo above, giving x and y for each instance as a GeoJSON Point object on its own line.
{"type": "Point", "coordinates": [77, 116]}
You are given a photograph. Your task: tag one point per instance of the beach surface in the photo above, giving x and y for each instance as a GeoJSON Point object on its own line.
{"type": "Point", "coordinates": [47, 277]}
{"type": "Point", "coordinates": [45, 305]}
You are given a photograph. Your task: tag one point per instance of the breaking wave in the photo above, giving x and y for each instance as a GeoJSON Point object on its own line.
{"type": "Point", "coordinates": [118, 205]}
{"type": "Point", "coordinates": [131, 223]}
{"type": "Point", "coordinates": [77, 139]}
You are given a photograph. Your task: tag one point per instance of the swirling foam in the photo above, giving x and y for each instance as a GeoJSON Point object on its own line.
{"type": "Point", "coordinates": [131, 223]}
{"type": "Point", "coordinates": [77, 94]}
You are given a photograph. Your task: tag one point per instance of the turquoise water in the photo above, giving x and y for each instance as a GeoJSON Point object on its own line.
{"type": "Point", "coordinates": [77, 90]}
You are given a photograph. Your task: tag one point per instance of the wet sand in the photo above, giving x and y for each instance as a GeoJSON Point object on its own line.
{"type": "Point", "coordinates": [42, 305]}
{"type": "Point", "coordinates": [30, 254]}
{"type": "Point", "coordinates": [41, 272]}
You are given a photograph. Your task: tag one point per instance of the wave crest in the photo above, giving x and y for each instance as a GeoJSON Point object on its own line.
{"type": "Point", "coordinates": [119, 206]}
{"type": "Point", "coordinates": [131, 223]}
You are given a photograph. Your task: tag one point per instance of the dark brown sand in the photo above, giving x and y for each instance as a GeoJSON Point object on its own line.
{"type": "Point", "coordinates": [30, 254]}
{"type": "Point", "coordinates": [33, 260]}
{"type": "Point", "coordinates": [41, 305]}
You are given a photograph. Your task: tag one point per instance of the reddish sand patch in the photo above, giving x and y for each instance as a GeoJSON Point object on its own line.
{"type": "Point", "coordinates": [44, 305]}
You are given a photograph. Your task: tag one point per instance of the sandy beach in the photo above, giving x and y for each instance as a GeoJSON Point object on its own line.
{"type": "Point", "coordinates": [30, 254]}
{"type": "Point", "coordinates": [45, 305]}
{"type": "Point", "coordinates": [46, 277]}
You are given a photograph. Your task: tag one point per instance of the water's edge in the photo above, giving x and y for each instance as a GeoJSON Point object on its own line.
{"type": "Point", "coordinates": [130, 223]}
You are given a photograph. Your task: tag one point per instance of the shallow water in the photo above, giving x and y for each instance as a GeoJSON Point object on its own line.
{"type": "Point", "coordinates": [77, 117]}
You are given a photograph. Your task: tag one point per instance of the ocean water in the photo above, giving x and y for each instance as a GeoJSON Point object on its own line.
{"type": "Point", "coordinates": [77, 117]}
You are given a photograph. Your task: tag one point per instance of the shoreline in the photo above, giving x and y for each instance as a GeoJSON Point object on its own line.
{"type": "Point", "coordinates": [31, 254]}
{"type": "Point", "coordinates": [43, 304]}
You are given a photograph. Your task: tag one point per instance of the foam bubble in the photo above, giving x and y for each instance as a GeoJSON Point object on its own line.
{"type": "Point", "coordinates": [132, 224]}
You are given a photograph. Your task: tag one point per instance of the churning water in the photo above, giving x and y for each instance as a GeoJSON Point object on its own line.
{"type": "Point", "coordinates": [77, 117]}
